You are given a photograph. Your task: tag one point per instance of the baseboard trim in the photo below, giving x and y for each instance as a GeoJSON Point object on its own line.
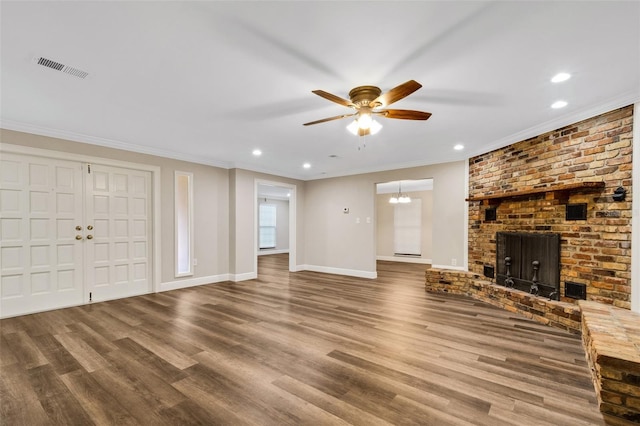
{"type": "Point", "coordinates": [405, 259]}
{"type": "Point", "coordinates": [338, 271]}
{"type": "Point", "coordinates": [192, 282]}
{"type": "Point", "coordinates": [243, 277]}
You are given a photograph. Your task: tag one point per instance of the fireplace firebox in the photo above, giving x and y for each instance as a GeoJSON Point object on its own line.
{"type": "Point", "coordinates": [529, 262]}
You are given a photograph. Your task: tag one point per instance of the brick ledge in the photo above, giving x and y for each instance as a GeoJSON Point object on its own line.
{"type": "Point", "coordinates": [611, 337]}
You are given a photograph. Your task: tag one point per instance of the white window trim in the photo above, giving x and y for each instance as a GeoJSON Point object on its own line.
{"type": "Point", "coordinates": [179, 224]}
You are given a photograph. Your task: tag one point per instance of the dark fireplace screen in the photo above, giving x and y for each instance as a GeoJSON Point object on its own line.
{"type": "Point", "coordinates": [529, 262]}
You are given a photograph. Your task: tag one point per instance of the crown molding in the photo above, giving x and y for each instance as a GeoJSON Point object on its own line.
{"type": "Point", "coordinates": [621, 101]}
{"type": "Point", "coordinates": [109, 143]}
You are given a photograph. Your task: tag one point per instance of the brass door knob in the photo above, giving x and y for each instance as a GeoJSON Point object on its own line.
{"type": "Point", "coordinates": [90, 227]}
{"type": "Point", "coordinates": [89, 237]}
{"type": "Point", "coordinates": [78, 228]}
{"type": "Point", "coordinates": [78, 237]}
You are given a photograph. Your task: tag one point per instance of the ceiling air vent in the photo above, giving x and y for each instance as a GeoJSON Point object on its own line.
{"type": "Point", "coordinates": [61, 67]}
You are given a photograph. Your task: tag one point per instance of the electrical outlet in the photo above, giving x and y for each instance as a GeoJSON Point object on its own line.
{"type": "Point", "coordinates": [454, 262]}
{"type": "Point", "coordinates": [368, 220]}
{"type": "Point", "coordinates": [357, 220]}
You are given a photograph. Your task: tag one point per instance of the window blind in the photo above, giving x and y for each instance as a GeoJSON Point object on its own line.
{"type": "Point", "coordinates": [407, 228]}
{"type": "Point", "coordinates": [267, 225]}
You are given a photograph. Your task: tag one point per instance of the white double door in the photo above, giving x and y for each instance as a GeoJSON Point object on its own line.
{"type": "Point", "coordinates": [71, 233]}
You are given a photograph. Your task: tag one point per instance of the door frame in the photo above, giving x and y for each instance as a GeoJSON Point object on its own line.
{"type": "Point", "coordinates": [155, 192]}
{"type": "Point", "coordinates": [292, 221]}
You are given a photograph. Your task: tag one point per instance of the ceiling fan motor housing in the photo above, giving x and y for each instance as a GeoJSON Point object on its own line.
{"type": "Point", "coordinates": [364, 95]}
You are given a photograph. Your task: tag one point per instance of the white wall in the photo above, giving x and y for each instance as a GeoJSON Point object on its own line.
{"type": "Point", "coordinates": [385, 225]}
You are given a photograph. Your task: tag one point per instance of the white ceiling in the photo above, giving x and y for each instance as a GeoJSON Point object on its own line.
{"type": "Point", "coordinates": [211, 81]}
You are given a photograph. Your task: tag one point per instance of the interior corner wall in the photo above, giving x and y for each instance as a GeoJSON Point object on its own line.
{"type": "Point", "coordinates": [346, 243]}
{"type": "Point", "coordinates": [211, 205]}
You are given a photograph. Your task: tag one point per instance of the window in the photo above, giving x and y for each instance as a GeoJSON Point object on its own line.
{"type": "Point", "coordinates": [183, 223]}
{"type": "Point", "coordinates": [407, 228]}
{"type": "Point", "coordinates": [267, 223]}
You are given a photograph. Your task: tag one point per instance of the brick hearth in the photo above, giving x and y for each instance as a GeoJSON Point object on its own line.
{"type": "Point", "coordinates": [551, 312]}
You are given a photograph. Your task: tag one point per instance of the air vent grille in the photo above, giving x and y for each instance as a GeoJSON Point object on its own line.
{"type": "Point", "coordinates": [61, 67]}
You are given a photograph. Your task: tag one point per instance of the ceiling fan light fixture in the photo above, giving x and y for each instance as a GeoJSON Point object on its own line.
{"type": "Point", "coordinates": [375, 127]}
{"type": "Point", "coordinates": [355, 127]}
{"type": "Point", "coordinates": [364, 121]}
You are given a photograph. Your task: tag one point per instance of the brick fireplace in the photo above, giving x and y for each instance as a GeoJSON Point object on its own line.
{"type": "Point", "coordinates": [530, 185]}
{"type": "Point", "coordinates": [573, 183]}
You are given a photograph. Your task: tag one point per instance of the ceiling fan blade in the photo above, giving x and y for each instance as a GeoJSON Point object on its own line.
{"type": "Point", "coordinates": [404, 114]}
{"type": "Point", "coordinates": [334, 98]}
{"type": "Point", "coordinates": [324, 120]}
{"type": "Point", "coordinates": [395, 94]}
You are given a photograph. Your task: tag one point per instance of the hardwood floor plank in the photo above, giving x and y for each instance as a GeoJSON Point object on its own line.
{"type": "Point", "coordinates": [146, 381]}
{"type": "Point", "coordinates": [337, 407]}
{"type": "Point", "coordinates": [86, 356]}
{"type": "Point", "coordinates": [57, 355]}
{"type": "Point", "coordinates": [24, 349]}
{"type": "Point", "coordinates": [19, 403]}
{"type": "Point", "coordinates": [135, 351]}
{"type": "Point", "coordinates": [56, 399]}
{"type": "Point", "coordinates": [162, 350]}
{"type": "Point", "coordinates": [103, 408]}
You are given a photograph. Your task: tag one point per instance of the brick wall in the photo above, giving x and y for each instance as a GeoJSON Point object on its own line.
{"type": "Point", "coordinates": [596, 251]}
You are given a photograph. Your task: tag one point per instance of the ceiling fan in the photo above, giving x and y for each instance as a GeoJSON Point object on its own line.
{"type": "Point", "coordinates": [367, 101]}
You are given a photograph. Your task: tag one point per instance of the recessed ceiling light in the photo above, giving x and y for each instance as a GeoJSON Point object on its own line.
{"type": "Point", "coordinates": [458, 147]}
{"type": "Point", "coordinates": [559, 104]}
{"type": "Point", "coordinates": [306, 165]}
{"type": "Point", "coordinates": [257, 152]}
{"type": "Point", "coordinates": [560, 77]}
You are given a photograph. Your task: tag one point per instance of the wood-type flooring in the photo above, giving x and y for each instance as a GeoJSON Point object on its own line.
{"type": "Point", "coordinates": [293, 349]}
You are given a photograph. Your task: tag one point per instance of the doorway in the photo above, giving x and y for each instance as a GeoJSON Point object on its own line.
{"type": "Point", "coordinates": [404, 221]}
{"type": "Point", "coordinates": [275, 236]}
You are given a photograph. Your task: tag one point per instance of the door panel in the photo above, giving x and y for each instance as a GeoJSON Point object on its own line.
{"type": "Point", "coordinates": [117, 206]}
{"type": "Point", "coordinates": [40, 259]}
{"type": "Point", "coordinates": [45, 262]}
